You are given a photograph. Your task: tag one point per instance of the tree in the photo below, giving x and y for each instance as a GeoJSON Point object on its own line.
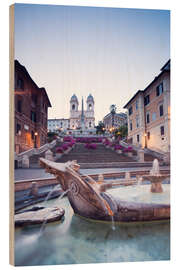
{"type": "Point", "coordinates": [121, 132]}
{"type": "Point", "coordinates": [51, 136]}
{"type": "Point", "coordinates": [100, 128]}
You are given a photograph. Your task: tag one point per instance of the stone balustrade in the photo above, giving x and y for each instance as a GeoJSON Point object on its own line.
{"type": "Point", "coordinates": [35, 151]}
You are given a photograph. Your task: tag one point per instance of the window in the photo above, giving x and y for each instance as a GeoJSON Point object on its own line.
{"type": "Point", "coordinates": [131, 125]}
{"type": "Point", "coordinates": [153, 116]}
{"type": "Point", "coordinates": [137, 104]}
{"type": "Point", "coordinates": [162, 130]}
{"type": "Point", "coordinates": [161, 111]}
{"type": "Point", "coordinates": [147, 118]}
{"type": "Point", "coordinates": [90, 106]}
{"type": "Point", "coordinates": [18, 128]}
{"type": "Point", "coordinates": [137, 137]}
{"type": "Point", "coordinates": [19, 106]}
{"type": "Point", "coordinates": [20, 83]}
{"type": "Point", "coordinates": [137, 121]}
{"type": "Point", "coordinates": [146, 100]}
{"type": "Point", "coordinates": [73, 107]}
{"type": "Point", "coordinates": [89, 124]}
{"type": "Point", "coordinates": [130, 110]}
{"type": "Point", "coordinates": [159, 89]}
{"type": "Point", "coordinates": [33, 116]}
{"type": "Point", "coordinates": [148, 135]}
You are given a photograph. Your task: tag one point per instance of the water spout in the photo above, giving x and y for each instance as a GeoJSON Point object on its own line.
{"type": "Point", "coordinates": [113, 223]}
{"type": "Point", "coordinates": [50, 193]}
{"type": "Point", "coordinates": [46, 218]}
{"type": "Point", "coordinates": [155, 168]}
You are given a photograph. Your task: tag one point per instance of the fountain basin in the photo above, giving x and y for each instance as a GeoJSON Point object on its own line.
{"type": "Point", "coordinates": [156, 181]}
{"type": "Point", "coordinates": [77, 240]}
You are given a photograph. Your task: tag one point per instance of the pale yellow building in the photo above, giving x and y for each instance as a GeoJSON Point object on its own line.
{"type": "Point", "coordinates": [149, 113]}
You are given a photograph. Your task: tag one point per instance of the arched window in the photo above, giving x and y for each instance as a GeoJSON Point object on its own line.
{"type": "Point", "coordinates": [73, 107]}
{"type": "Point", "coordinates": [90, 107]}
{"type": "Point", "coordinates": [89, 124]}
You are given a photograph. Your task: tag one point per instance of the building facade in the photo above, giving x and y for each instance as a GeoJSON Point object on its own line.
{"type": "Point", "coordinates": [31, 110]}
{"type": "Point", "coordinates": [58, 125]}
{"type": "Point", "coordinates": [82, 119]}
{"type": "Point", "coordinates": [114, 120]}
{"type": "Point", "coordinates": [149, 113]}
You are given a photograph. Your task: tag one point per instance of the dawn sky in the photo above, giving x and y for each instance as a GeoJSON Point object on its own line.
{"type": "Point", "coordinates": [108, 52]}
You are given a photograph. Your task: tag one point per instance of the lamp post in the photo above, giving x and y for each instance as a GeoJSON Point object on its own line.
{"type": "Point", "coordinates": [35, 142]}
{"type": "Point", "coordinates": [145, 135]}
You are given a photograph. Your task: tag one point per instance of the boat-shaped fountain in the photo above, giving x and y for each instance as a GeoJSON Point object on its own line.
{"type": "Point", "coordinates": [89, 198]}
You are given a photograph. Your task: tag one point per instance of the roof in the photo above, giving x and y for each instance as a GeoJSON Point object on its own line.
{"type": "Point", "coordinates": [74, 98]}
{"type": "Point", "coordinates": [165, 68]}
{"type": "Point", "coordinates": [24, 70]}
{"type": "Point", "coordinates": [167, 65]}
{"type": "Point", "coordinates": [135, 95]}
{"type": "Point", "coordinates": [90, 97]}
{"type": "Point", "coordinates": [58, 119]}
{"type": "Point", "coordinates": [123, 115]}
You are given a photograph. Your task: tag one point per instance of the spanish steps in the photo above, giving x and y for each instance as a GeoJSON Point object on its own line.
{"type": "Point", "coordinates": [100, 155]}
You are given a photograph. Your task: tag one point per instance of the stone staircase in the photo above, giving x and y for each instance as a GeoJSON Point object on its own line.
{"type": "Point", "coordinates": [99, 155]}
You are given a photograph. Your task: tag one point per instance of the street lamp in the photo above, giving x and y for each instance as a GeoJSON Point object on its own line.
{"type": "Point", "coordinates": [145, 135]}
{"type": "Point", "coordinates": [35, 142]}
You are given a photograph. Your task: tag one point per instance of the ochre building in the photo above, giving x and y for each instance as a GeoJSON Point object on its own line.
{"type": "Point", "coordinates": [31, 110]}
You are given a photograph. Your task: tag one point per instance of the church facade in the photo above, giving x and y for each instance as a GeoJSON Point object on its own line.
{"type": "Point", "coordinates": [82, 118]}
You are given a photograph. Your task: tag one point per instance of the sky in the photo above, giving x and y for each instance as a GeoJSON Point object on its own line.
{"type": "Point", "coordinates": [108, 52]}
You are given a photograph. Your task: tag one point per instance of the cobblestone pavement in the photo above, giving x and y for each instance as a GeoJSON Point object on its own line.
{"type": "Point", "coordinates": [25, 174]}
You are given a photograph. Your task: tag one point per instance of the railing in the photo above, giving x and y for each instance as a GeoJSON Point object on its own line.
{"type": "Point", "coordinates": [35, 151]}
{"type": "Point", "coordinates": [154, 153]}
{"type": "Point", "coordinates": [157, 154]}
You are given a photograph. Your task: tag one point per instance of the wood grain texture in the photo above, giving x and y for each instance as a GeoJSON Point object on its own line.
{"type": "Point", "coordinates": [11, 134]}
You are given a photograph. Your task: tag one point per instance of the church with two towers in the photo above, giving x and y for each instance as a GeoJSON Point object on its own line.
{"type": "Point", "coordinates": [81, 118]}
{"type": "Point", "coordinates": [84, 118]}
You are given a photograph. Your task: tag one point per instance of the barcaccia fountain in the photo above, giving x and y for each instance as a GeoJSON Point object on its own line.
{"type": "Point", "coordinates": [89, 199]}
{"type": "Point", "coordinates": [102, 221]}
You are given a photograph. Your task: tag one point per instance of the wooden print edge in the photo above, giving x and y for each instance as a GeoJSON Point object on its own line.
{"type": "Point", "coordinates": [11, 134]}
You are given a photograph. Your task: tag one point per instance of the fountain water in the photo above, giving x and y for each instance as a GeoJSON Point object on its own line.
{"type": "Point", "coordinates": [155, 177]}
{"type": "Point", "coordinates": [46, 218]}
{"type": "Point", "coordinates": [40, 215]}
{"type": "Point", "coordinates": [113, 223]}
{"type": "Point", "coordinates": [50, 193]}
{"type": "Point", "coordinates": [155, 168]}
